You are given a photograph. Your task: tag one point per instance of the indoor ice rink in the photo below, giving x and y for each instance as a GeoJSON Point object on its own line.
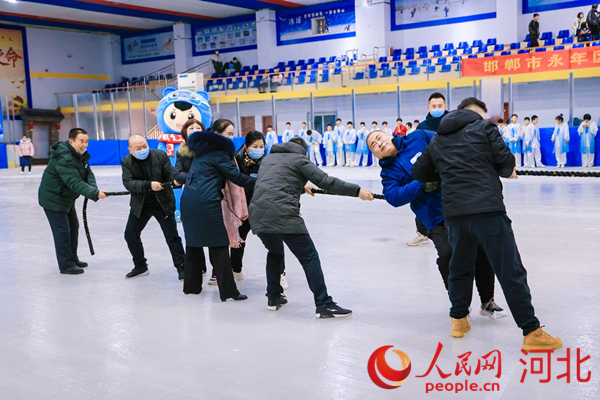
{"type": "Point", "coordinates": [110, 67]}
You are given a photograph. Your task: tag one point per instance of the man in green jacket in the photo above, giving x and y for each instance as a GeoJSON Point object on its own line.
{"type": "Point", "coordinates": [67, 176]}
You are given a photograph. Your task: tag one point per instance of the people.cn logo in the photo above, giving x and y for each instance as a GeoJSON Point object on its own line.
{"type": "Point", "coordinates": [377, 367]}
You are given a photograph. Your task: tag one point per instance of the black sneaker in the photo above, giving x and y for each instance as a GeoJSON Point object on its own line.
{"type": "Point", "coordinates": [180, 272]}
{"type": "Point", "coordinates": [136, 273]}
{"type": "Point", "coordinates": [491, 310]}
{"type": "Point", "coordinates": [81, 264]}
{"type": "Point", "coordinates": [74, 270]}
{"type": "Point", "coordinates": [276, 303]}
{"type": "Point", "coordinates": [332, 310]}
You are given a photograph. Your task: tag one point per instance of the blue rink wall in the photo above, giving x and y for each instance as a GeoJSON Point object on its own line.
{"type": "Point", "coordinates": [110, 152]}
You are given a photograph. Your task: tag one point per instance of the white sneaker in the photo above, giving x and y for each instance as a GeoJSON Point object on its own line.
{"type": "Point", "coordinates": [419, 240]}
{"type": "Point", "coordinates": [283, 282]}
{"type": "Point", "coordinates": [29, 172]}
{"type": "Point", "coordinates": [239, 276]}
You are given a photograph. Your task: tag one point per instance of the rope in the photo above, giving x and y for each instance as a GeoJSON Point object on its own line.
{"type": "Point", "coordinates": [86, 227]}
{"type": "Point", "coordinates": [586, 174]}
{"type": "Point", "coordinates": [117, 193]}
{"type": "Point", "coordinates": [321, 191]}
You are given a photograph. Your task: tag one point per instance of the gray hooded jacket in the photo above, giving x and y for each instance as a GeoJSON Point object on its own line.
{"type": "Point", "coordinates": [275, 206]}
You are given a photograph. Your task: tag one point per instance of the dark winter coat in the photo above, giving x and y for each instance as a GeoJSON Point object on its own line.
{"type": "Point", "coordinates": [251, 170]}
{"type": "Point", "coordinates": [431, 123]}
{"type": "Point", "coordinates": [534, 30]}
{"type": "Point", "coordinates": [183, 163]}
{"type": "Point", "coordinates": [470, 155]}
{"type": "Point", "coordinates": [275, 206]}
{"type": "Point", "coordinates": [158, 169]}
{"type": "Point", "coordinates": [67, 176]}
{"type": "Point", "coordinates": [399, 187]}
{"type": "Point", "coordinates": [201, 212]}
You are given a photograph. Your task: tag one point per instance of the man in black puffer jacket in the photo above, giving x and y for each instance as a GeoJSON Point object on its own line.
{"type": "Point", "coordinates": [148, 175]}
{"type": "Point", "coordinates": [469, 156]}
{"type": "Point", "coordinates": [275, 218]}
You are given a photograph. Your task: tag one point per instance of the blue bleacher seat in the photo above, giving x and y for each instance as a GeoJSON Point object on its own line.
{"type": "Point", "coordinates": [409, 50]}
{"type": "Point", "coordinates": [399, 64]}
{"type": "Point", "coordinates": [400, 71]}
{"type": "Point", "coordinates": [313, 77]}
{"type": "Point", "coordinates": [415, 71]}
{"type": "Point", "coordinates": [325, 76]}
{"type": "Point", "coordinates": [437, 54]}
{"type": "Point", "coordinates": [435, 47]}
{"type": "Point", "coordinates": [498, 47]}
{"type": "Point", "coordinates": [546, 35]}
{"type": "Point", "coordinates": [255, 67]}
{"type": "Point", "coordinates": [441, 61]}
{"type": "Point", "coordinates": [331, 59]}
{"type": "Point", "coordinates": [261, 71]}
{"type": "Point", "coordinates": [397, 52]}
{"type": "Point", "coordinates": [426, 62]}
{"type": "Point", "coordinates": [412, 64]}
{"type": "Point", "coordinates": [506, 53]}
{"type": "Point", "coordinates": [463, 45]}
{"type": "Point", "coordinates": [482, 49]}
{"type": "Point", "coordinates": [382, 59]}
{"type": "Point", "coordinates": [526, 38]}
{"type": "Point", "coordinates": [310, 61]}
{"type": "Point", "coordinates": [452, 52]}
{"type": "Point", "coordinates": [595, 44]}
{"type": "Point", "coordinates": [559, 47]}
{"type": "Point", "coordinates": [578, 45]}
{"type": "Point", "coordinates": [208, 85]}
{"type": "Point", "coordinates": [246, 68]}
{"type": "Point", "coordinates": [489, 55]}
{"type": "Point", "coordinates": [290, 63]}
{"type": "Point", "coordinates": [396, 58]}
{"type": "Point", "coordinates": [449, 46]}
{"type": "Point", "coordinates": [458, 67]}
{"type": "Point", "coordinates": [301, 80]}
{"type": "Point", "coordinates": [410, 56]}
{"type": "Point", "coordinates": [446, 68]}
{"type": "Point", "coordinates": [255, 83]}
{"type": "Point", "coordinates": [473, 56]}
{"type": "Point", "coordinates": [300, 62]}
{"type": "Point", "coordinates": [314, 66]}
{"type": "Point", "coordinates": [468, 50]}
{"type": "Point", "coordinates": [386, 73]}
{"type": "Point", "coordinates": [515, 46]}
{"type": "Point", "coordinates": [456, 60]}
{"type": "Point", "coordinates": [430, 69]}
{"type": "Point", "coordinates": [568, 40]}
{"type": "Point", "coordinates": [304, 67]}
{"type": "Point", "coordinates": [563, 34]}
{"type": "Point", "coordinates": [540, 50]}
{"type": "Point", "coordinates": [272, 70]}
{"type": "Point", "coordinates": [359, 76]}
{"type": "Point", "coordinates": [280, 65]}
{"type": "Point", "coordinates": [384, 66]}
{"type": "Point", "coordinates": [423, 55]}
{"type": "Point", "coordinates": [523, 51]}
{"type": "Point", "coordinates": [492, 42]}
{"type": "Point", "coordinates": [422, 49]}
{"type": "Point", "coordinates": [337, 71]}
{"type": "Point", "coordinates": [549, 42]}
{"type": "Point", "coordinates": [477, 43]}
{"type": "Point", "coordinates": [292, 68]}
{"type": "Point", "coordinates": [321, 60]}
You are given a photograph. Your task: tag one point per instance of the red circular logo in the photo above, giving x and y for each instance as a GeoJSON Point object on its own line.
{"type": "Point", "coordinates": [377, 363]}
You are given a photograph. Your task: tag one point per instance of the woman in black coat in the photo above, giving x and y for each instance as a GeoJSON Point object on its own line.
{"type": "Point", "coordinates": [201, 211]}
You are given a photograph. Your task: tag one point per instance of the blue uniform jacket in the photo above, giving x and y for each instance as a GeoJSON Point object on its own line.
{"type": "Point", "coordinates": [399, 188]}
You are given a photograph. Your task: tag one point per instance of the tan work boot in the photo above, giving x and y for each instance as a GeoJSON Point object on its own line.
{"type": "Point", "coordinates": [540, 340]}
{"type": "Point", "coordinates": [460, 327]}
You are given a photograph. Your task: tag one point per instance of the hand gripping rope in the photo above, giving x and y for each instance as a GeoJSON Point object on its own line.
{"type": "Point", "coordinates": [587, 174]}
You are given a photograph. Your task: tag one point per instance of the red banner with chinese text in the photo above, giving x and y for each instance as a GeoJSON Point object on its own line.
{"type": "Point", "coordinates": [559, 60]}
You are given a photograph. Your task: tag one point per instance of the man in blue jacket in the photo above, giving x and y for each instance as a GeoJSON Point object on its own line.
{"type": "Point", "coordinates": [397, 155]}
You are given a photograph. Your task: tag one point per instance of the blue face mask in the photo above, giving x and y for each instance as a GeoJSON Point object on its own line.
{"type": "Point", "coordinates": [142, 154]}
{"type": "Point", "coordinates": [438, 112]}
{"type": "Point", "coordinates": [255, 154]}
{"type": "Point", "coordinates": [230, 138]}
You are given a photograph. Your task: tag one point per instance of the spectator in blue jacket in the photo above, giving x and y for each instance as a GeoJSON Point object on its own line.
{"type": "Point", "coordinates": [397, 155]}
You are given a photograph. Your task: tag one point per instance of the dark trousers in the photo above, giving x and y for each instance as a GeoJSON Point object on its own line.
{"type": "Point", "coordinates": [237, 254]}
{"type": "Point", "coordinates": [493, 232]}
{"type": "Point", "coordinates": [133, 235]}
{"type": "Point", "coordinates": [484, 274]}
{"type": "Point", "coordinates": [534, 42]}
{"type": "Point", "coordinates": [302, 246]}
{"type": "Point", "coordinates": [421, 227]}
{"type": "Point", "coordinates": [26, 159]}
{"type": "Point", "coordinates": [65, 231]}
{"type": "Point", "coordinates": [595, 33]}
{"type": "Point", "coordinates": [219, 258]}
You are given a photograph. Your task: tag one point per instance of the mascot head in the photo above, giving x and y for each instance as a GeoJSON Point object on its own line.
{"type": "Point", "coordinates": [178, 106]}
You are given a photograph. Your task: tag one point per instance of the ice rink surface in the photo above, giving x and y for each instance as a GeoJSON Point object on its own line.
{"type": "Point", "coordinates": [100, 336]}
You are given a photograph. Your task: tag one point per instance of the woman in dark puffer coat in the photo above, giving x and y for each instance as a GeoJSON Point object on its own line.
{"type": "Point", "coordinates": [202, 214]}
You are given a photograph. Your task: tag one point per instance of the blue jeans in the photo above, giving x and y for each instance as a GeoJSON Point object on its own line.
{"type": "Point", "coordinates": [493, 232]}
{"type": "Point", "coordinates": [302, 246]}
